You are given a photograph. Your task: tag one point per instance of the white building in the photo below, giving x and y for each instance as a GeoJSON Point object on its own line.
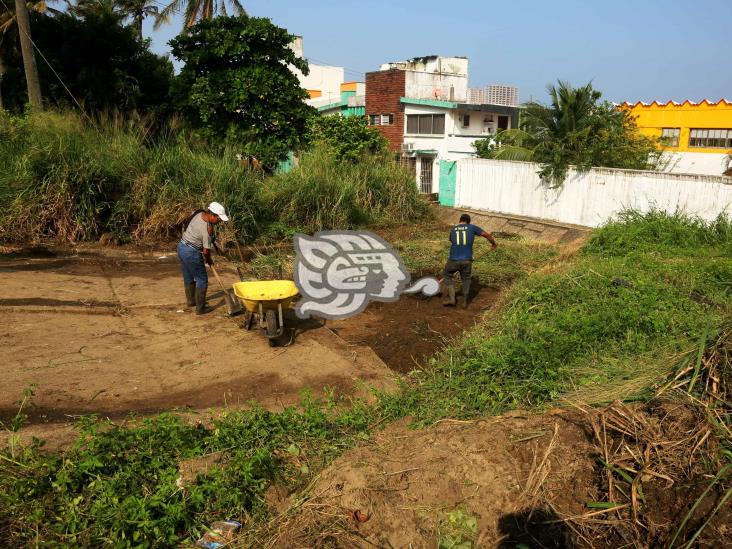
{"type": "Point", "coordinates": [323, 82]}
{"type": "Point", "coordinates": [423, 107]}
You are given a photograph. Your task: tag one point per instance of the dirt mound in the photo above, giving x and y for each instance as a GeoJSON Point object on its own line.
{"type": "Point", "coordinates": [536, 480]}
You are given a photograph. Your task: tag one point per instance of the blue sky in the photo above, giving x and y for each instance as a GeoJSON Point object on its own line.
{"type": "Point", "coordinates": [642, 50]}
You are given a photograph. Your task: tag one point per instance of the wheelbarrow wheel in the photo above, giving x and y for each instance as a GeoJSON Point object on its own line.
{"type": "Point", "coordinates": [271, 330]}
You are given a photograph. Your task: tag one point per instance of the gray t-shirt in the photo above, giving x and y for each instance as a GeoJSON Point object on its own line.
{"type": "Point", "coordinates": [197, 233]}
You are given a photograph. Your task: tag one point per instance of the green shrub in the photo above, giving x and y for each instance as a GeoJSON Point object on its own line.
{"type": "Point", "coordinates": [657, 230]}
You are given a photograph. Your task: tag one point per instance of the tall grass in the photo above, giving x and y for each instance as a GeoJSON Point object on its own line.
{"type": "Point", "coordinates": [323, 192]}
{"type": "Point", "coordinates": [69, 179]}
{"type": "Point", "coordinates": [604, 325]}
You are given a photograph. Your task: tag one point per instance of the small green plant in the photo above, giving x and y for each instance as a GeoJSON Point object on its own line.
{"type": "Point", "coordinates": [21, 417]}
{"type": "Point", "coordinates": [457, 530]}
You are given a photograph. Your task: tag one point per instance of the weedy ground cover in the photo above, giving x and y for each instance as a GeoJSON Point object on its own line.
{"type": "Point", "coordinates": [608, 323]}
{"type": "Point", "coordinates": [616, 316]}
{"type": "Point", "coordinates": [117, 485]}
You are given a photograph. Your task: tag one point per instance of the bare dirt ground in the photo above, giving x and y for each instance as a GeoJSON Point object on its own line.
{"type": "Point", "coordinates": [105, 334]}
{"type": "Point", "coordinates": [521, 478]}
{"type": "Point", "coordinates": [405, 333]}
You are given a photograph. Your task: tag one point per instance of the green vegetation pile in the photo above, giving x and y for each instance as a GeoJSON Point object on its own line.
{"type": "Point", "coordinates": [641, 309]}
{"type": "Point", "coordinates": [68, 179]}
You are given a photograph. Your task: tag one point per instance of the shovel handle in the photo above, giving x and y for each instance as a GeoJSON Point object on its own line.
{"type": "Point", "coordinates": [218, 278]}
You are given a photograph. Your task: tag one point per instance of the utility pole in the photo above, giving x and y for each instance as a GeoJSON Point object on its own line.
{"type": "Point", "coordinates": [29, 58]}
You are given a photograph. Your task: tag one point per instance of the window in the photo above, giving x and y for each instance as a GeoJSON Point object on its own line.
{"type": "Point", "coordinates": [425, 174]}
{"type": "Point", "coordinates": [670, 137]}
{"type": "Point", "coordinates": [710, 138]}
{"type": "Point", "coordinates": [426, 124]}
{"type": "Point", "coordinates": [466, 120]}
{"type": "Point", "coordinates": [381, 119]}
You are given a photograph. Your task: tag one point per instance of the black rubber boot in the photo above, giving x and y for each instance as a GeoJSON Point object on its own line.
{"type": "Point", "coordinates": [190, 294]}
{"type": "Point", "coordinates": [201, 307]}
{"type": "Point", "coordinates": [449, 297]}
{"type": "Point", "coordinates": [466, 293]}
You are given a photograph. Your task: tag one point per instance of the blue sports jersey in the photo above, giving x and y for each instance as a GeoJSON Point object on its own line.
{"type": "Point", "coordinates": [462, 237]}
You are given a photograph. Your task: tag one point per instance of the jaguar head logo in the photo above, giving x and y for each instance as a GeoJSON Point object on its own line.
{"type": "Point", "coordinates": [339, 272]}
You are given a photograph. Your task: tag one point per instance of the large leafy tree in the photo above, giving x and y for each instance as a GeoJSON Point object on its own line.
{"type": "Point", "coordinates": [100, 60]}
{"type": "Point", "coordinates": [575, 129]}
{"type": "Point", "coordinates": [198, 10]}
{"type": "Point", "coordinates": [237, 86]}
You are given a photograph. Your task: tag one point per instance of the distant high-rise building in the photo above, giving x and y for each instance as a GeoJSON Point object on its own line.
{"type": "Point", "coordinates": [501, 94]}
{"type": "Point", "coordinates": [476, 96]}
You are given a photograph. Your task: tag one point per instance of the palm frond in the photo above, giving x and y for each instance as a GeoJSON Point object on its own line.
{"type": "Point", "coordinates": [513, 152]}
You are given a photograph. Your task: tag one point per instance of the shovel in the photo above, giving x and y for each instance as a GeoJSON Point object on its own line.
{"type": "Point", "coordinates": [233, 305]}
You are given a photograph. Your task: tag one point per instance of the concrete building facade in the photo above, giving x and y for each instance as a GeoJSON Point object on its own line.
{"type": "Point", "coordinates": [423, 107]}
{"type": "Point", "coordinates": [697, 137]}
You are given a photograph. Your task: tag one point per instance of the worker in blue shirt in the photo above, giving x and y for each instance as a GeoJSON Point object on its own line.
{"type": "Point", "coordinates": [462, 237]}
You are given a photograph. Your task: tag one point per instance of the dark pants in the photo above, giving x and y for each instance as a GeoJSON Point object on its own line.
{"type": "Point", "coordinates": [462, 267]}
{"type": "Point", "coordinates": [192, 266]}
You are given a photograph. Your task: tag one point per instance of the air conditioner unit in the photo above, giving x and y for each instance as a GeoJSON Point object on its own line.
{"type": "Point", "coordinates": [407, 147]}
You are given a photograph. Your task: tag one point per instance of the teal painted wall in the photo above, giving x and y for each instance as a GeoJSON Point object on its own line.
{"type": "Point", "coordinates": [354, 111]}
{"type": "Point", "coordinates": [448, 179]}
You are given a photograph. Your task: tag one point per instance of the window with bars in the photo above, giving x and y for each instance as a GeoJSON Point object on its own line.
{"type": "Point", "coordinates": [670, 137]}
{"type": "Point", "coordinates": [426, 124]}
{"type": "Point", "coordinates": [381, 119]}
{"type": "Point", "coordinates": [710, 138]}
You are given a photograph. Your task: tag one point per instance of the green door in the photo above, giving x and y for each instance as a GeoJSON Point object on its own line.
{"type": "Point", "coordinates": [448, 177]}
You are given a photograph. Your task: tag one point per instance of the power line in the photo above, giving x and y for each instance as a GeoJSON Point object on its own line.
{"type": "Point", "coordinates": [49, 65]}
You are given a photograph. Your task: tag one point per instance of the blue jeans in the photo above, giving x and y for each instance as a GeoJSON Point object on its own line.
{"type": "Point", "coordinates": [192, 266]}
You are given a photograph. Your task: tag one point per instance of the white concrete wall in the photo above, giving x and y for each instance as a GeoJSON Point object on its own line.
{"type": "Point", "coordinates": [586, 199]}
{"type": "Point", "coordinates": [444, 87]}
{"type": "Point", "coordinates": [432, 63]}
{"type": "Point", "coordinates": [697, 163]}
{"type": "Point", "coordinates": [324, 78]}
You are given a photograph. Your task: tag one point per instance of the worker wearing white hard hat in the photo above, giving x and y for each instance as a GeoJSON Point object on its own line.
{"type": "Point", "coordinates": [194, 249]}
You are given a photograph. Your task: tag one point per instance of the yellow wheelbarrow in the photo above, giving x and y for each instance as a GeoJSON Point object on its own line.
{"type": "Point", "coordinates": [266, 299]}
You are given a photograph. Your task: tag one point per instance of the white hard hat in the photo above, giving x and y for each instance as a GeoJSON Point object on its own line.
{"type": "Point", "coordinates": [219, 210]}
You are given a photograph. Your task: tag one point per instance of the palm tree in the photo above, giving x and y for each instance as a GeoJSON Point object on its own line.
{"type": "Point", "coordinates": [556, 134]}
{"type": "Point", "coordinates": [197, 10]}
{"type": "Point", "coordinates": [8, 33]}
{"type": "Point", "coordinates": [138, 10]}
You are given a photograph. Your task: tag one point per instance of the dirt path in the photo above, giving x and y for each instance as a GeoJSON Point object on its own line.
{"type": "Point", "coordinates": [109, 336]}
{"type": "Point", "coordinates": [405, 333]}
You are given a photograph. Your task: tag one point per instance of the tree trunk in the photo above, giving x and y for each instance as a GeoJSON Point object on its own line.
{"type": "Point", "coordinates": [29, 58]}
{"type": "Point", "coordinates": [139, 26]}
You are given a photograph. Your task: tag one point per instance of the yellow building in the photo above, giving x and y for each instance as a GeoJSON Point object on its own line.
{"type": "Point", "coordinates": [697, 136]}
